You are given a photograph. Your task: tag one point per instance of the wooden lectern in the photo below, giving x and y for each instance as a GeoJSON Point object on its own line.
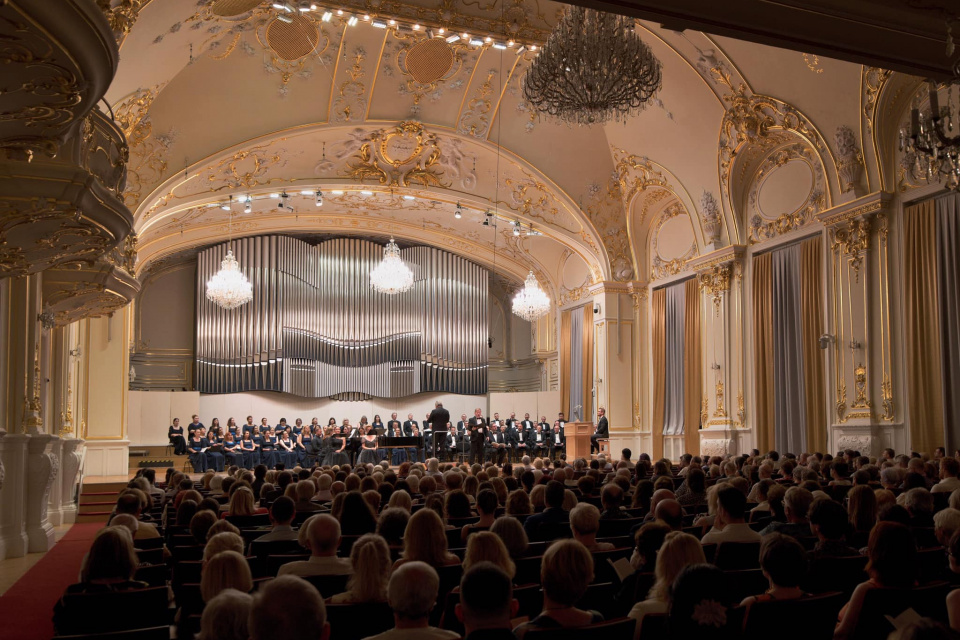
{"type": "Point", "coordinates": [578, 440]}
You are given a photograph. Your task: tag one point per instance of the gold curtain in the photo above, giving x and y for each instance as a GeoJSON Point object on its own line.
{"type": "Point", "coordinates": [811, 308]}
{"type": "Point", "coordinates": [588, 410]}
{"type": "Point", "coordinates": [763, 349]}
{"type": "Point", "coordinates": [922, 326]}
{"type": "Point", "coordinates": [692, 390]}
{"type": "Point", "coordinates": [659, 369]}
{"type": "Point", "coordinates": [565, 372]}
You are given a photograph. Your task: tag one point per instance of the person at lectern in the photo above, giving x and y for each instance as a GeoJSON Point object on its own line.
{"type": "Point", "coordinates": [478, 436]}
{"type": "Point", "coordinates": [603, 430]}
{"type": "Point", "coordinates": [175, 434]}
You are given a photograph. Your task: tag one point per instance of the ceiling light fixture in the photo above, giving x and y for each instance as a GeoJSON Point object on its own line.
{"type": "Point", "coordinates": [352, 21]}
{"type": "Point", "coordinates": [592, 69]}
{"type": "Point", "coordinates": [227, 206]}
{"type": "Point", "coordinates": [531, 302]}
{"type": "Point", "coordinates": [392, 275]}
{"type": "Point", "coordinates": [476, 42]}
{"type": "Point", "coordinates": [366, 193]}
{"type": "Point", "coordinates": [379, 24]}
{"type": "Point", "coordinates": [248, 207]}
{"type": "Point", "coordinates": [327, 16]}
{"type": "Point", "coordinates": [416, 27]}
{"type": "Point", "coordinates": [229, 287]}
{"type": "Point", "coordinates": [452, 39]}
{"type": "Point", "coordinates": [516, 228]}
{"type": "Point", "coordinates": [337, 192]}
{"type": "Point", "coordinates": [409, 198]}
{"type": "Point", "coordinates": [499, 45]}
{"type": "Point", "coordinates": [285, 18]}
{"type": "Point", "coordinates": [458, 213]}
{"type": "Point", "coordinates": [319, 198]}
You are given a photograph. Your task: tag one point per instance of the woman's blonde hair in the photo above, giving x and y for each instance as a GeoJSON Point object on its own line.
{"type": "Point", "coordinates": [222, 542]}
{"type": "Point", "coordinates": [370, 559]}
{"type": "Point", "coordinates": [538, 496]}
{"type": "Point", "coordinates": [111, 556]}
{"type": "Point", "coordinates": [565, 572]}
{"type": "Point", "coordinates": [679, 550]}
{"type": "Point", "coordinates": [241, 502]}
{"type": "Point", "coordinates": [485, 546]}
{"type": "Point", "coordinates": [402, 500]}
{"type": "Point", "coordinates": [222, 526]}
{"type": "Point", "coordinates": [425, 539]}
{"type": "Point", "coordinates": [569, 500]}
{"type": "Point", "coordinates": [226, 570]}
{"type": "Point", "coordinates": [470, 485]}
{"type": "Point", "coordinates": [513, 536]}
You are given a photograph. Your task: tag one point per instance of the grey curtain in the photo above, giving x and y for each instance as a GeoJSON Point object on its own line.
{"type": "Point", "coordinates": [673, 410]}
{"type": "Point", "coordinates": [948, 275]}
{"type": "Point", "coordinates": [788, 382]}
{"type": "Point", "coordinates": [576, 366]}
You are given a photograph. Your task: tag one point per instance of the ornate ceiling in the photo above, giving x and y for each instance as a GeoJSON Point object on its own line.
{"type": "Point", "coordinates": [218, 99]}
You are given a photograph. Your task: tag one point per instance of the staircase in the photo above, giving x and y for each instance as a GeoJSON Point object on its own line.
{"type": "Point", "coordinates": [158, 457]}
{"type": "Point", "coordinates": [97, 500]}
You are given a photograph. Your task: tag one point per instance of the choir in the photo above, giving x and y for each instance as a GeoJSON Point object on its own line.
{"type": "Point", "coordinates": [285, 446]}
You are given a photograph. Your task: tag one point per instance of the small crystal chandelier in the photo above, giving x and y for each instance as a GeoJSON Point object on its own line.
{"type": "Point", "coordinates": [392, 275]}
{"type": "Point", "coordinates": [229, 288]}
{"type": "Point", "coordinates": [935, 154]}
{"type": "Point", "coordinates": [531, 302]}
{"type": "Point", "coordinates": [594, 67]}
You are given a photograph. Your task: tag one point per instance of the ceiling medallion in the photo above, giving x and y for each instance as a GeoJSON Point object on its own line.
{"type": "Point", "coordinates": [593, 68]}
{"type": "Point", "coordinates": [531, 302]}
{"type": "Point", "coordinates": [401, 157]}
{"type": "Point", "coordinates": [392, 275]}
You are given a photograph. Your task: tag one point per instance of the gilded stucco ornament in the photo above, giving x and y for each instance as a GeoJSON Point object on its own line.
{"type": "Point", "coordinates": [715, 283]}
{"type": "Point", "coordinates": [400, 157]}
{"type": "Point", "coordinates": [849, 160]}
{"type": "Point", "coordinates": [662, 267]}
{"type": "Point", "coordinates": [710, 217]}
{"type": "Point", "coordinates": [762, 225]}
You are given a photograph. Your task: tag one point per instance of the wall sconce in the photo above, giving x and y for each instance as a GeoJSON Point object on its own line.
{"type": "Point", "coordinates": [825, 340]}
{"type": "Point", "coordinates": [854, 345]}
{"type": "Point", "coordinates": [715, 366]}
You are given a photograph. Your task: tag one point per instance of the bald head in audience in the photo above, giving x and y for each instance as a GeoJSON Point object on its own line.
{"type": "Point", "coordinates": [323, 535]}
{"type": "Point", "coordinates": [669, 511]}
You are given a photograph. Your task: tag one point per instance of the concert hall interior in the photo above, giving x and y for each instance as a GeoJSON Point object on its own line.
{"type": "Point", "coordinates": [376, 241]}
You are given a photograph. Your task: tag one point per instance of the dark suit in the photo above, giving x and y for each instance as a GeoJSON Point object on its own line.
{"type": "Point", "coordinates": [394, 430]}
{"type": "Point", "coordinates": [603, 431]}
{"type": "Point", "coordinates": [535, 448]}
{"type": "Point", "coordinates": [512, 438]}
{"type": "Point", "coordinates": [408, 426]}
{"type": "Point", "coordinates": [439, 418]}
{"type": "Point", "coordinates": [478, 437]}
{"type": "Point", "coordinates": [494, 449]}
{"type": "Point", "coordinates": [556, 448]}
{"type": "Point", "coordinates": [548, 516]}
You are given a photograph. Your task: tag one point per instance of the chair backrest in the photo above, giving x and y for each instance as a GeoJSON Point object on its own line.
{"type": "Point", "coordinates": [835, 574]}
{"type": "Point", "coordinates": [153, 633]}
{"type": "Point", "coordinates": [654, 627]}
{"type": "Point", "coordinates": [328, 585]}
{"type": "Point", "coordinates": [150, 556]}
{"type": "Point", "coordinates": [603, 571]}
{"type": "Point", "coordinates": [928, 600]}
{"type": "Point", "coordinates": [737, 555]}
{"type": "Point", "coordinates": [528, 570]}
{"type": "Point", "coordinates": [154, 575]}
{"type": "Point", "coordinates": [273, 563]}
{"type": "Point", "coordinates": [621, 629]}
{"type": "Point", "coordinates": [818, 615]}
{"type": "Point", "coordinates": [554, 531]}
{"type": "Point", "coordinates": [276, 548]}
{"type": "Point", "coordinates": [112, 611]}
{"type": "Point", "coordinates": [745, 582]}
{"type": "Point", "coordinates": [613, 528]}
{"type": "Point", "coordinates": [241, 522]}
{"type": "Point", "coordinates": [145, 544]}
{"type": "Point", "coordinates": [933, 564]}
{"type": "Point", "coordinates": [356, 621]}
{"type": "Point", "coordinates": [600, 597]}
{"type": "Point", "coordinates": [193, 552]}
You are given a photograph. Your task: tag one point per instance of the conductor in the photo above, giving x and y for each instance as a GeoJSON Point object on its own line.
{"type": "Point", "coordinates": [478, 436]}
{"type": "Point", "coordinates": [438, 420]}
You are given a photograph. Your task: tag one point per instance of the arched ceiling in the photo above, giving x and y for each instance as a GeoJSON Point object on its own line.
{"type": "Point", "coordinates": [212, 109]}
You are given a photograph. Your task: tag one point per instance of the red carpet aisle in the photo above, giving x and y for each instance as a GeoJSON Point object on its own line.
{"type": "Point", "coordinates": [26, 609]}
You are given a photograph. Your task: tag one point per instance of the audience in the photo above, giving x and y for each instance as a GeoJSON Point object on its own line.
{"type": "Point", "coordinates": [784, 564]}
{"type": "Point", "coordinates": [426, 541]}
{"type": "Point", "coordinates": [270, 621]}
{"type": "Point", "coordinates": [371, 565]}
{"type": "Point", "coordinates": [282, 513]}
{"type": "Point", "coordinates": [486, 546]}
{"type": "Point", "coordinates": [679, 550]}
{"type": "Point", "coordinates": [225, 616]}
{"type": "Point", "coordinates": [225, 570]}
{"type": "Point", "coordinates": [486, 605]}
{"type": "Point", "coordinates": [323, 539]}
{"type": "Point", "coordinates": [729, 525]}
{"type": "Point", "coordinates": [412, 594]}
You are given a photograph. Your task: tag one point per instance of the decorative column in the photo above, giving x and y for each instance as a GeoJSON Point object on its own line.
{"type": "Point", "coordinates": [862, 415]}
{"type": "Point", "coordinates": [615, 349]}
{"type": "Point", "coordinates": [723, 416]}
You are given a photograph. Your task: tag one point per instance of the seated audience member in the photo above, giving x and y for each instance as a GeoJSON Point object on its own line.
{"type": "Point", "coordinates": [949, 470]}
{"type": "Point", "coordinates": [796, 504]}
{"type": "Point", "coordinates": [693, 490]}
{"type": "Point", "coordinates": [953, 598]}
{"type": "Point", "coordinates": [356, 516]}
{"type": "Point", "coordinates": [220, 542]}
{"type": "Point", "coordinates": [282, 513]}
{"type": "Point", "coordinates": [919, 503]}
{"type": "Point", "coordinates": [584, 523]}
{"type": "Point", "coordinates": [487, 510]}
{"type": "Point", "coordinates": [890, 478]}
{"type": "Point", "coordinates": [129, 503]}
{"type": "Point", "coordinates": [862, 509]}
{"type": "Point", "coordinates": [828, 522]}
{"type": "Point", "coordinates": [892, 563]}
{"type": "Point", "coordinates": [426, 541]}
{"type": "Point", "coordinates": [729, 525]}
{"type": "Point", "coordinates": [486, 603]}
{"type": "Point", "coordinates": [185, 513]}
{"type": "Point", "coordinates": [222, 526]}
{"type": "Point", "coordinates": [784, 564]}
{"type": "Point", "coordinates": [110, 563]}
{"type": "Point", "coordinates": [323, 539]}
{"type": "Point", "coordinates": [225, 616]}
{"type": "Point", "coordinates": [679, 550]}
{"type": "Point", "coordinates": [270, 621]}
{"type": "Point", "coordinates": [518, 503]}
{"type": "Point", "coordinates": [412, 594]}
{"type": "Point", "coordinates": [611, 498]}
{"type": "Point", "coordinates": [565, 572]}
{"type": "Point", "coordinates": [371, 563]}
{"type": "Point", "coordinates": [200, 525]}
{"type": "Point", "coordinates": [513, 536]}
{"type": "Point", "coordinates": [670, 513]}
{"type": "Point", "coordinates": [946, 522]}
{"type": "Point", "coordinates": [700, 605]}
{"type": "Point", "coordinates": [487, 546]}
{"type": "Point", "coordinates": [552, 514]}
{"type": "Point", "coordinates": [392, 524]}
{"type": "Point", "coordinates": [226, 570]}
{"type": "Point", "coordinates": [306, 490]}
{"type": "Point", "coordinates": [242, 504]}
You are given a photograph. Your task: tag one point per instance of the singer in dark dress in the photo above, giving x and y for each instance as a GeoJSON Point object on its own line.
{"type": "Point", "coordinates": [175, 434]}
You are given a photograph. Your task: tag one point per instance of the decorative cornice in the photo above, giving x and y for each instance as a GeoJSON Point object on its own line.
{"type": "Point", "coordinates": [865, 206]}
{"type": "Point", "coordinates": [724, 255]}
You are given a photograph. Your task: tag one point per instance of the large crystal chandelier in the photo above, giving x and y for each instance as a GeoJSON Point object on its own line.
{"type": "Point", "coordinates": [229, 288]}
{"type": "Point", "coordinates": [594, 67]}
{"type": "Point", "coordinates": [531, 302]}
{"type": "Point", "coordinates": [934, 153]}
{"type": "Point", "coordinates": [392, 275]}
